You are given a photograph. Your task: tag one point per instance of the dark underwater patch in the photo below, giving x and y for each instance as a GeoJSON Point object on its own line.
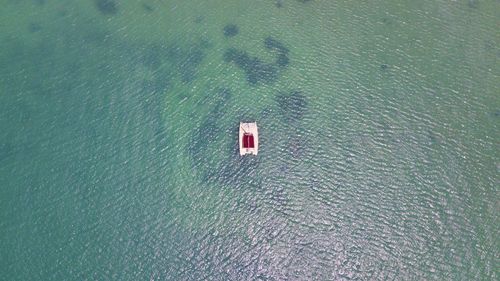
{"type": "Point", "coordinates": [256, 71]}
{"type": "Point", "coordinates": [432, 137]}
{"type": "Point", "coordinates": [384, 67]}
{"type": "Point", "coordinates": [280, 49]}
{"type": "Point", "coordinates": [189, 59]}
{"type": "Point", "coordinates": [106, 7]}
{"type": "Point", "coordinates": [149, 104]}
{"type": "Point", "coordinates": [199, 19]}
{"type": "Point", "coordinates": [293, 106]}
{"type": "Point", "coordinates": [189, 65]}
{"type": "Point", "coordinates": [272, 44]}
{"type": "Point", "coordinates": [474, 4]}
{"type": "Point", "coordinates": [282, 60]}
{"type": "Point", "coordinates": [197, 148]}
{"type": "Point", "coordinates": [489, 45]}
{"type": "Point", "coordinates": [185, 61]}
{"type": "Point", "coordinates": [230, 30]}
{"type": "Point", "coordinates": [279, 3]}
{"type": "Point", "coordinates": [34, 27]}
{"type": "Point", "coordinates": [152, 56]}
{"type": "Point", "coordinates": [204, 135]}
{"type": "Point", "coordinates": [157, 58]}
{"type": "Point", "coordinates": [148, 8]}
{"type": "Point", "coordinates": [296, 146]}
{"type": "Point", "coordinates": [158, 84]}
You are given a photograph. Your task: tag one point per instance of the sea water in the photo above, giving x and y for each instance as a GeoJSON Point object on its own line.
{"type": "Point", "coordinates": [378, 124]}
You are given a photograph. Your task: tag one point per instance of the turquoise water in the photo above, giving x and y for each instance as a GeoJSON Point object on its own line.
{"type": "Point", "coordinates": [379, 155]}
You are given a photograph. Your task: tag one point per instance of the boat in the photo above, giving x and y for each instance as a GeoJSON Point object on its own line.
{"type": "Point", "coordinates": [249, 139]}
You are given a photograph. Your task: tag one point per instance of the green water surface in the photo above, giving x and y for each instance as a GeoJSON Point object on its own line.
{"type": "Point", "coordinates": [379, 148]}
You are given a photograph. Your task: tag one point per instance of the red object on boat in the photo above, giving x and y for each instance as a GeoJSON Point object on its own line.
{"type": "Point", "coordinates": [248, 141]}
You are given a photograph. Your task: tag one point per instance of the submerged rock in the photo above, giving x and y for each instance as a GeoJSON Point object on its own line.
{"type": "Point", "coordinates": [106, 7]}
{"type": "Point", "coordinates": [293, 106]}
{"type": "Point", "coordinates": [256, 71]}
{"type": "Point", "coordinates": [474, 4]}
{"type": "Point", "coordinates": [152, 56]}
{"type": "Point", "coordinates": [386, 21]}
{"type": "Point", "coordinates": [209, 129]}
{"type": "Point", "coordinates": [185, 60]}
{"type": "Point", "coordinates": [282, 60]}
{"type": "Point", "coordinates": [296, 146]}
{"type": "Point", "coordinates": [189, 65]}
{"type": "Point", "coordinates": [148, 8]}
{"type": "Point", "coordinates": [231, 30]}
{"type": "Point", "coordinates": [34, 27]}
{"type": "Point", "coordinates": [274, 45]}
{"type": "Point", "coordinates": [199, 19]}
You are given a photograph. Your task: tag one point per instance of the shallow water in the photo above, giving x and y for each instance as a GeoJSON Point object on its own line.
{"type": "Point", "coordinates": [378, 156]}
